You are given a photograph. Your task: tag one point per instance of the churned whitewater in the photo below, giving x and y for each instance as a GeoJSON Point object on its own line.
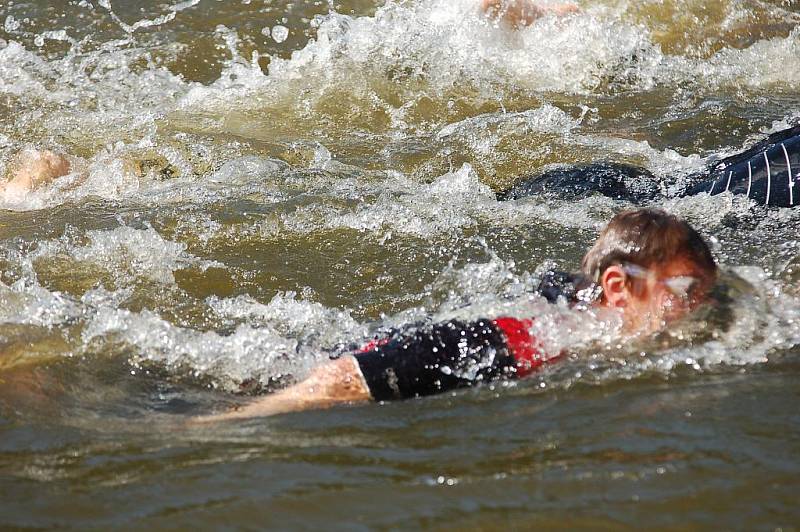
{"type": "Point", "coordinates": [258, 186]}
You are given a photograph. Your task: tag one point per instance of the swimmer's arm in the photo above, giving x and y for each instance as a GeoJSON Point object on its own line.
{"type": "Point", "coordinates": [523, 12]}
{"type": "Point", "coordinates": [339, 381]}
{"type": "Point", "coordinates": [31, 169]}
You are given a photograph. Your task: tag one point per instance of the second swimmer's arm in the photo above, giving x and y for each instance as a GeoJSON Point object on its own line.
{"type": "Point", "coordinates": [523, 12]}
{"type": "Point", "coordinates": [31, 169]}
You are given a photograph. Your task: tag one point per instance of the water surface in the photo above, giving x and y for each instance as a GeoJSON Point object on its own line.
{"type": "Point", "coordinates": [260, 184]}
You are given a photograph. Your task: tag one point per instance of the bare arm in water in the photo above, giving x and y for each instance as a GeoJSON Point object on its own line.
{"type": "Point", "coordinates": [31, 169]}
{"type": "Point", "coordinates": [339, 381]}
{"type": "Point", "coordinates": [523, 12]}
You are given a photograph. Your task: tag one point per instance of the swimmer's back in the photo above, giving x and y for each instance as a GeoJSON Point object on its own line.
{"type": "Point", "coordinates": [767, 173]}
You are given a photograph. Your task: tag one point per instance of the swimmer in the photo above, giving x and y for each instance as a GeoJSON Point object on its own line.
{"type": "Point", "coordinates": [518, 13]}
{"type": "Point", "coordinates": [768, 173]}
{"type": "Point", "coordinates": [648, 267]}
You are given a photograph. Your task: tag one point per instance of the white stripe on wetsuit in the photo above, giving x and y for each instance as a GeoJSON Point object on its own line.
{"type": "Point", "coordinates": [749, 178]}
{"type": "Point", "coordinates": [728, 186]}
{"type": "Point", "coordinates": [769, 177]}
{"type": "Point", "coordinates": [789, 170]}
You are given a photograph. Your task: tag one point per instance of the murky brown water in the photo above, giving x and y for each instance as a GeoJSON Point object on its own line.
{"type": "Point", "coordinates": [260, 183]}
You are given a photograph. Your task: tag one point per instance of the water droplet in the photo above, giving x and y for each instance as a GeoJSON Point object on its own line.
{"type": "Point", "coordinates": [280, 33]}
{"type": "Point", "coordinates": [11, 24]}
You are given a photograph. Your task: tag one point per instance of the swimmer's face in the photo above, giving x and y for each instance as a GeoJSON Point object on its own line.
{"type": "Point", "coordinates": [651, 298]}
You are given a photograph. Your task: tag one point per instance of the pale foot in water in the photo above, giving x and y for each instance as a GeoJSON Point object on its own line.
{"type": "Point", "coordinates": [519, 13]}
{"type": "Point", "coordinates": [32, 169]}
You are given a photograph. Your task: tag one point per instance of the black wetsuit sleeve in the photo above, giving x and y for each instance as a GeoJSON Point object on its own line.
{"type": "Point", "coordinates": [768, 173]}
{"type": "Point", "coordinates": [557, 284]}
{"type": "Point", "coordinates": [431, 359]}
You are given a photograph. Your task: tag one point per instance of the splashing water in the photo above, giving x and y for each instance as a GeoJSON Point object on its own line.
{"type": "Point", "coordinates": [256, 187]}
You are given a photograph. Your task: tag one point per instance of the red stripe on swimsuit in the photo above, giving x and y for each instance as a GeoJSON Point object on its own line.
{"type": "Point", "coordinates": [524, 347]}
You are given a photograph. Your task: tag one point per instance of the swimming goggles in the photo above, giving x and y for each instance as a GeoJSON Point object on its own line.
{"type": "Point", "coordinates": [681, 286]}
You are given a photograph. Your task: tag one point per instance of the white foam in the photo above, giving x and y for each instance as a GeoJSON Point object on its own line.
{"type": "Point", "coordinates": [488, 129]}
{"type": "Point", "coordinates": [247, 353]}
{"type": "Point", "coordinates": [283, 337]}
{"type": "Point", "coordinates": [30, 304]}
{"type": "Point", "coordinates": [768, 63]}
{"type": "Point", "coordinates": [307, 320]}
{"type": "Point", "coordinates": [114, 88]}
{"type": "Point", "coordinates": [449, 47]}
{"type": "Point", "coordinates": [445, 204]}
{"type": "Point", "coordinates": [128, 253]}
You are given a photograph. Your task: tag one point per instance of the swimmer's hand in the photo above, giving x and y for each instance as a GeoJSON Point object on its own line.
{"type": "Point", "coordinates": [519, 13]}
{"type": "Point", "coordinates": [336, 382]}
{"type": "Point", "coordinates": [31, 169]}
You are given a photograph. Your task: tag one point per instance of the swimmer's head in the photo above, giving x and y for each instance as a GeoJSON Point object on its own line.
{"type": "Point", "coordinates": [652, 266]}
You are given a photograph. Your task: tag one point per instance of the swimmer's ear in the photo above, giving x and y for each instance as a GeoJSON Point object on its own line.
{"type": "Point", "coordinates": [614, 282]}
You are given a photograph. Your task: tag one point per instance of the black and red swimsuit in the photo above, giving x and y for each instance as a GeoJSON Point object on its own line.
{"type": "Point", "coordinates": [436, 358]}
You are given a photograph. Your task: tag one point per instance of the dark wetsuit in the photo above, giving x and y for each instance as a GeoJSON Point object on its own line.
{"type": "Point", "coordinates": [767, 173]}
{"type": "Point", "coordinates": [431, 359]}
